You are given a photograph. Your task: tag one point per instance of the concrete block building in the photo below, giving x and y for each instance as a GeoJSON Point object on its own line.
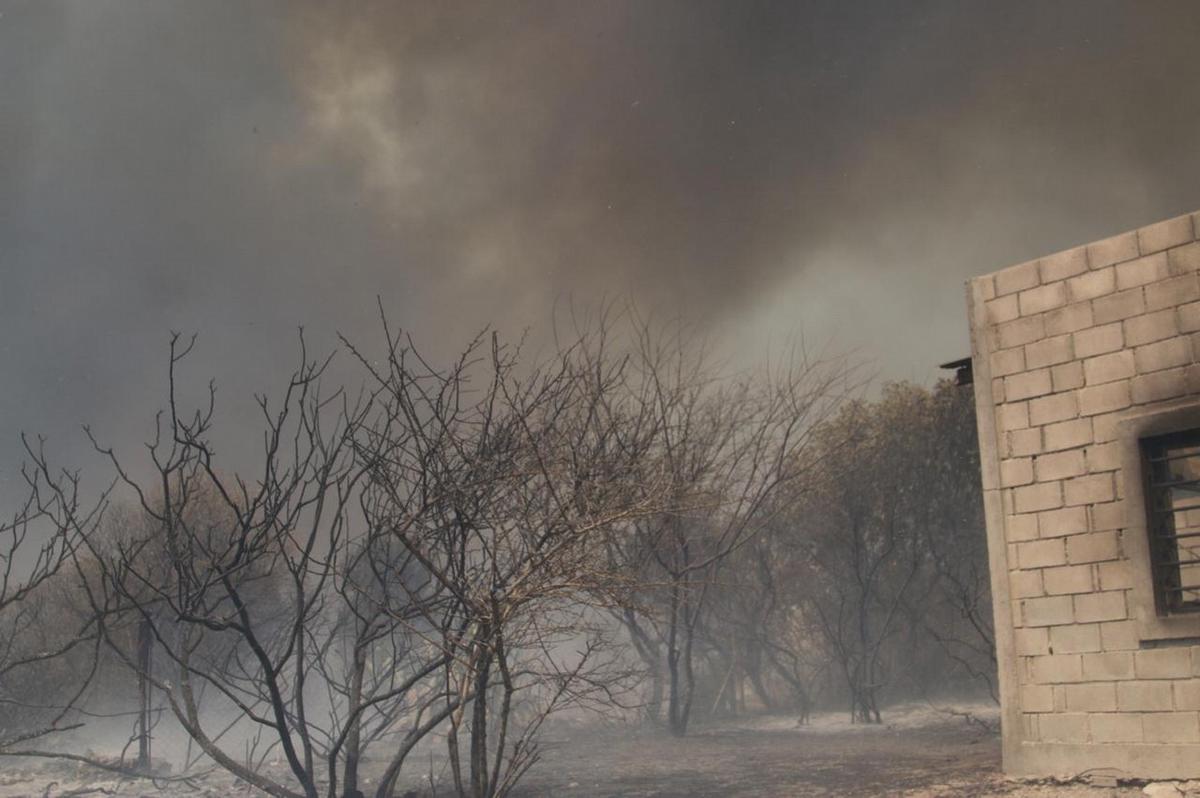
{"type": "Point", "coordinates": [1087, 385]}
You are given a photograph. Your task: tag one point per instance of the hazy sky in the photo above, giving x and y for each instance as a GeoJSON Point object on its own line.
{"type": "Point", "coordinates": [238, 169]}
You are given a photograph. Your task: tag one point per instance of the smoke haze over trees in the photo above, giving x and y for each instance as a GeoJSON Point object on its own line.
{"type": "Point", "coordinates": [452, 554]}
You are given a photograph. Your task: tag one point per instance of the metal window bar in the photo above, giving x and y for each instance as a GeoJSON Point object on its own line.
{"type": "Point", "coordinates": [1182, 453]}
{"type": "Point", "coordinates": [1171, 463]}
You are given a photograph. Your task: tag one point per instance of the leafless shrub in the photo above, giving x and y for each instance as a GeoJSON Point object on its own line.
{"type": "Point", "coordinates": [39, 643]}
{"type": "Point", "coordinates": [731, 444]}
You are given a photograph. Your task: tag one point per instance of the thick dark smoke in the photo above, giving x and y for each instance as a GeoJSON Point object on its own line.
{"type": "Point", "coordinates": [835, 167]}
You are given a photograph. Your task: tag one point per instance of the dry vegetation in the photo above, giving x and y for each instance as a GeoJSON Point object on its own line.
{"type": "Point", "coordinates": [427, 574]}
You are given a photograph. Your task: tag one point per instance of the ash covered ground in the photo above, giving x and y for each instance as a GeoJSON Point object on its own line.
{"type": "Point", "coordinates": [919, 750]}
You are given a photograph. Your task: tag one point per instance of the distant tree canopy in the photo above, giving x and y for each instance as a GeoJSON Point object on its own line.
{"type": "Point", "coordinates": [865, 580]}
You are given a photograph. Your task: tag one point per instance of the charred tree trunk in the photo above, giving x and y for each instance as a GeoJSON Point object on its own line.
{"type": "Point", "coordinates": [676, 713]}
{"type": "Point", "coordinates": [354, 737]}
{"type": "Point", "coordinates": [480, 787]}
{"type": "Point", "coordinates": [654, 705]}
{"type": "Point", "coordinates": [145, 647]}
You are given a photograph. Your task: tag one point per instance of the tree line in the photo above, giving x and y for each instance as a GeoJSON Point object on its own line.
{"type": "Point", "coordinates": [450, 554]}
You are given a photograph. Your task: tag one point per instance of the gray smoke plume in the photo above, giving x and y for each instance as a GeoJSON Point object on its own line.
{"type": "Point", "coordinates": [838, 168]}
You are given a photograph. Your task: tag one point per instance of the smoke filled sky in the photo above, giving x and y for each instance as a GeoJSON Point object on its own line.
{"type": "Point", "coordinates": [837, 168]}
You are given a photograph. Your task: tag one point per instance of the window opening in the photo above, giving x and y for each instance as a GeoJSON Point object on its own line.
{"type": "Point", "coordinates": [1172, 474]}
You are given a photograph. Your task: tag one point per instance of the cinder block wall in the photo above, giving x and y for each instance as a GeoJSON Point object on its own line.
{"type": "Point", "coordinates": [1070, 352]}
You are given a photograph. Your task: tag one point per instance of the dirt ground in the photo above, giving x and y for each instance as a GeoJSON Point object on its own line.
{"type": "Point", "coordinates": [918, 751]}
